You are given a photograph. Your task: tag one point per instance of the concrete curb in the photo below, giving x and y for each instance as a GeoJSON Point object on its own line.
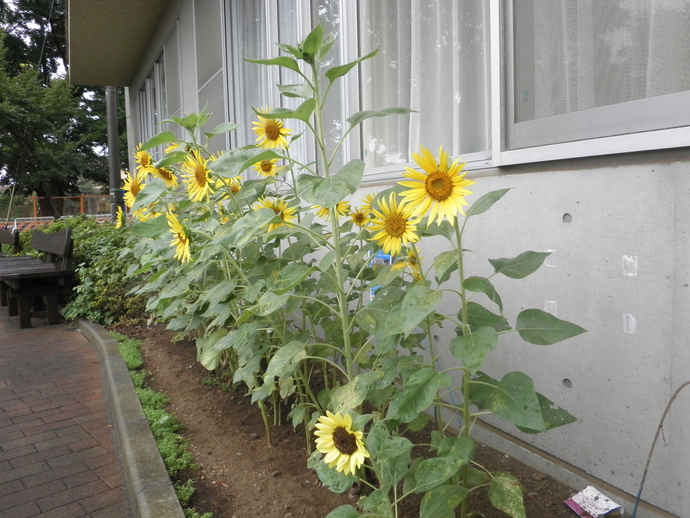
{"type": "Point", "coordinates": [151, 493]}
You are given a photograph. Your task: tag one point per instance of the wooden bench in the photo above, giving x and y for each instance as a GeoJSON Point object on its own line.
{"type": "Point", "coordinates": [10, 236]}
{"type": "Point", "coordinates": [26, 280]}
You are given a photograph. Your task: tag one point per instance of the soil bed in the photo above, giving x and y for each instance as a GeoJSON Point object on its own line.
{"type": "Point", "coordinates": [242, 477]}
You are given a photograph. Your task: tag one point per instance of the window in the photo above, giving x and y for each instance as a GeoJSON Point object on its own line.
{"type": "Point", "coordinates": [586, 69]}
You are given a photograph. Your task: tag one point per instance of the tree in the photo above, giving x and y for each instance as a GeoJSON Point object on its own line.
{"type": "Point", "coordinates": [51, 133]}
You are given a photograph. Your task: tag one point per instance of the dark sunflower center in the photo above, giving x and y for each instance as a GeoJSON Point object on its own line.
{"type": "Point", "coordinates": [165, 173]}
{"type": "Point", "coordinates": [439, 186]}
{"type": "Point", "coordinates": [359, 217]}
{"type": "Point", "coordinates": [395, 225]}
{"type": "Point", "coordinates": [344, 441]}
{"type": "Point", "coordinates": [135, 189]}
{"type": "Point", "coordinates": [182, 238]}
{"type": "Point", "coordinates": [200, 175]}
{"type": "Point", "coordinates": [145, 160]}
{"type": "Point", "coordinates": [266, 165]}
{"type": "Point", "coordinates": [272, 131]}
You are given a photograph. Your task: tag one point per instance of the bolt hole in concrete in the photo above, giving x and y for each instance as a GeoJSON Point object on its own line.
{"type": "Point", "coordinates": [567, 383]}
{"type": "Point", "coordinates": [567, 218]}
{"type": "Point", "coordinates": [436, 338]}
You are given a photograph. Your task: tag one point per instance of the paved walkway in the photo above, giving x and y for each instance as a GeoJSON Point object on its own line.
{"type": "Point", "coordinates": [57, 454]}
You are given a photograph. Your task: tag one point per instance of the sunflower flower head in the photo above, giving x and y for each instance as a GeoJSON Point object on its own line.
{"type": "Point", "coordinates": [267, 168]}
{"type": "Point", "coordinates": [119, 217]}
{"type": "Point", "coordinates": [395, 225]}
{"type": "Point", "coordinates": [143, 159]}
{"type": "Point", "coordinates": [167, 176]}
{"type": "Point", "coordinates": [270, 133]}
{"type": "Point", "coordinates": [180, 240]}
{"type": "Point", "coordinates": [438, 189]}
{"type": "Point", "coordinates": [368, 201]}
{"type": "Point", "coordinates": [133, 186]}
{"type": "Point", "coordinates": [360, 216]}
{"type": "Point", "coordinates": [413, 262]}
{"type": "Point", "coordinates": [196, 176]}
{"type": "Point", "coordinates": [342, 208]}
{"type": "Point", "coordinates": [342, 447]}
{"type": "Point", "coordinates": [281, 209]}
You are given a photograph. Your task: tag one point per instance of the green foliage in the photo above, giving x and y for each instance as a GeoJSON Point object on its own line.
{"type": "Point", "coordinates": [129, 350]}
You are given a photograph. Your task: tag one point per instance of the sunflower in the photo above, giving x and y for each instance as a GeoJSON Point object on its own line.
{"type": "Point", "coordinates": [119, 217]}
{"type": "Point", "coordinates": [280, 207]}
{"type": "Point", "coordinates": [413, 262]}
{"type": "Point", "coordinates": [368, 201]}
{"type": "Point", "coordinates": [270, 133]}
{"type": "Point", "coordinates": [144, 161]}
{"type": "Point", "coordinates": [342, 208]}
{"type": "Point", "coordinates": [360, 216]}
{"type": "Point", "coordinates": [394, 222]}
{"type": "Point", "coordinates": [197, 176]}
{"type": "Point", "coordinates": [342, 447]}
{"type": "Point", "coordinates": [168, 177]}
{"type": "Point", "coordinates": [183, 250]}
{"type": "Point", "coordinates": [266, 167]}
{"type": "Point", "coordinates": [438, 189]}
{"type": "Point", "coordinates": [133, 186]}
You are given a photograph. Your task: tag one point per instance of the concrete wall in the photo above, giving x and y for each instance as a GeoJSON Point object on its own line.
{"type": "Point", "coordinates": [619, 229]}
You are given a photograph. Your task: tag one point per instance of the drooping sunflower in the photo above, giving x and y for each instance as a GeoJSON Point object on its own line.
{"type": "Point", "coordinates": [168, 177]}
{"type": "Point", "coordinates": [266, 167]}
{"type": "Point", "coordinates": [395, 225]}
{"type": "Point", "coordinates": [119, 217]}
{"type": "Point", "coordinates": [181, 242]}
{"type": "Point", "coordinates": [368, 201]}
{"type": "Point", "coordinates": [437, 189]}
{"type": "Point", "coordinates": [341, 446]}
{"type": "Point", "coordinates": [280, 207]}
{"type": "Point", "coordinates": [196, 176]}
{"type": "Point", "coordinates": [360, 216]}
{"type": "Point", "coordinates": [133, 186]}
{"type": "Point", "coordinates": [342, 208]}
{"type": "Point", "coordinates": [270, 133]}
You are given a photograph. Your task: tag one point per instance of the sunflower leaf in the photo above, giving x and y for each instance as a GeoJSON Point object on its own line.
{"type": "Point", "coordinates": [302, 90]}
{"type": "Point", "coordinates": [157, 140]}
{"type": "Point", "coordinates": [520, 266]}
{"type": "Point", "coordinates": [358, 117]}
{"type": "Point", "coordinates": [485, 202]}
{"type": "Point", "coordinates": [335, 72]}
{"type": "Point", "coordinates": [235, 161]}
{"type": "Point", "coordinates": [282, 61]}
{"type": "Point", "coordinates": [541, 328]}
{"type": "Point", "coordinates": [330, 191]}
{"type": "Point", "coordinates": [303, 112]}
{"type": "Point", "coordinates": [441, 501]}
{"type": "Point", "coordinates": [344, 511]}
{"type": "Point", "coordinates": [505, 494]}
{"type": "Point", "coordinates": [149, 194]}
{"type": "Point", "coordinates": [222, 128]}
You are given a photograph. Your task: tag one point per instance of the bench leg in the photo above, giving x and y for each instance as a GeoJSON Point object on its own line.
{"type": "Point", "coordinates": [52, 309]}
{"type": "Point", "coordinates": [12, 306]}
{"type": "Point", "coordinates": [3, 294]}
{"type": "Point", "coordinates": [24, 312]}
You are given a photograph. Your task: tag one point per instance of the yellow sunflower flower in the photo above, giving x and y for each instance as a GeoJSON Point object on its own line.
{"type": "Point", "coordinates": [342, 209]}
{"type": "Point", "coordinates": [360, 216]}
{"type": "Point", "coordinates": [437, 189]}
{"type": "Point", "coordinates": [395, 225]}
{"type": "Point", "coordinates": [119, 217]}
{"type": "Point", "coordinates": [196, 176]}
{"type": "Point", "coordinates": [280, 207]}
{"type": "Point", "coordinates": [133, 186]}
{"type": "Point", "coordinates": [183, 249]}
{"type": "Point", "coordinates": [168, 177]}
{"type": "Point", "coordinates": [413, 262]}
{"type": "Point", "coordinates": [368, 201]}
{"type": "Point", "coordinates": [266, 167]}
{"type": "Point", "coordinates": [342, 447]}
{"type": "Point", "coordinates": [270, 133]}
{"type": "Point", "coordinates": [172, 146]}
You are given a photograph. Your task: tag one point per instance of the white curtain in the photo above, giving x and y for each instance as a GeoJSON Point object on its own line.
{"type": "Point", "coordinates": [432, 59]}
{"type": "Point", "coordinates": [592, 53]}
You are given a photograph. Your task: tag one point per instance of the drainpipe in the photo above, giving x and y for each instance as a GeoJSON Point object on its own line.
{"type": "Point", "coordinates": [113, 151]}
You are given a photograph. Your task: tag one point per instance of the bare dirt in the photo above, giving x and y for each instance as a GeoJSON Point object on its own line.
{"type": "Point", "coordinates": [242, 477]}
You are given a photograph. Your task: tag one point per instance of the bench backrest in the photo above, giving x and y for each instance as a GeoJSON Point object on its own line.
{"type": "Point", "coordinates": [57, 245]}
{"type": "Point", "coordinates": [10, 236]}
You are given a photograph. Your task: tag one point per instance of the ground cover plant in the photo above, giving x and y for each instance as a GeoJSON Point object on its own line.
{"type": "Point", "coordinates": [277, 281]}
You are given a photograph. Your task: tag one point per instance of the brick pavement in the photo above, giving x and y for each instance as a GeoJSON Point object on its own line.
{"type": "Point", "coordinates": [57, 453]}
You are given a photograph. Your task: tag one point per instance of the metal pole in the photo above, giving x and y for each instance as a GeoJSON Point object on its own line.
{"type": "Point", "coordinates": [113, 150]}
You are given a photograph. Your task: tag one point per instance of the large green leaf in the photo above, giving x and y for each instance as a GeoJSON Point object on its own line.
{"type": "Point", "coordinates": [553, 415]}
{"type": "Point", "coordinates": [302, 112]}
{"type": "Point", "coordinates": [434, 472]}
{"type": "Point", "coordinates": [348, 397]}
{"type": "Point", "coordinates": [441, 501]}
{"type": "Point", "coordinates": [335, 72]}
{"type": "Point", "coordinates": [244, 229]}
{"type": "Point", "coordinates": [416, 395]}
{"type": "Point", "coordinates": [223, 127]}
{"type": "Point", "coordinates": [269, 303]}
{"type": "Point", "coordinates": [505, 494]}
{"type": "Point", "coordinates": [394, 446]}
{"type": "Point", "coordinates": [285, 360]}
{"type": "Point", "coordinates": [153, 228]}
{"type": "Point", "coordinates": [235, 161]}
{"type": "Point", "coordinates": [471, 349]}
{"type": "Point", "coordinates": [419, 301]}
{"type": "Point", "coordinates": [330, 191]}
{"type": "Point", "coordinates": [368, 114]}
{"type": "Point", "coordinates": [289, 277]}
{"type": "Point", "coordinates": [521, 266]}
{"type": "Point", "coordinates": [460, 448]}
{"type": "Point", "coordinates": [329, 477]}
{"type": "Point", "coordinates": [302, 90]}
{"type": "Point", "coordinates": [205, 354]}
{"type": "Point", "coordinates": [479, 316]}
{"type": "Point", "coordinates": [444, 264]}
{"type": "Point", "coordinates": [344, 511]}
{"type": "Point", "coordinates": [515, 400]}
{"type": "Point", "coordinates": [149, 194]}
{"type": "Point", "coordinates": [283, 61]}
{"type": "Point", "coordinates": [157, 140]}
{"type": "Point", "coordinates": [541, 328]}
{"type": "Point", "coordinates": [485, 202]}
{"type": "Point", "coordinates": [483, 285]}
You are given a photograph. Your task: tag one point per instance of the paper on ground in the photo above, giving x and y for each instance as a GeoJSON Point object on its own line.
{"type": "Point", "coordinates": [590, 502]}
